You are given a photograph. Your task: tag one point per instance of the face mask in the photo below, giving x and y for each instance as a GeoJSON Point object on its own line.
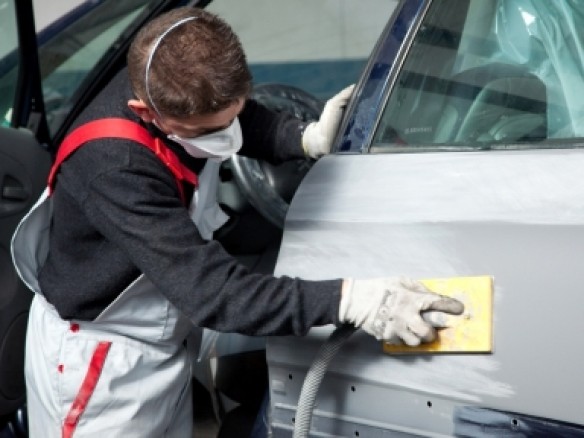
{"type": "Point", "coordinates": [220, 145]}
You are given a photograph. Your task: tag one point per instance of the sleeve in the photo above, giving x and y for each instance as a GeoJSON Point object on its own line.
{"type": "Point", "coordinates": [200, 278]}
{"type": "Point", "coordinates": [270, 135]}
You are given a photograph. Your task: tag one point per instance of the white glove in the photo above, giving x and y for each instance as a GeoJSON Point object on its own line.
{"type": "Point", "coordinates": [391, 308]}
{"type": "Point", "coordinates": [318, 136]}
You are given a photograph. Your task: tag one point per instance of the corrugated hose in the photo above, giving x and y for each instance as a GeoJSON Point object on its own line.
{"type": "Point", "coordinates": [314, 378]}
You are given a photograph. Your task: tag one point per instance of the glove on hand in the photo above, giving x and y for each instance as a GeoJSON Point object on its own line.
{"type": "Point", "coordinates": [318, 136]}
{"type": "Point", "coordinates": [390, 308]}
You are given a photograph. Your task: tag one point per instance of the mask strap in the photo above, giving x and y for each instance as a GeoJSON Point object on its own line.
{"type": "Point", "coordinates": [151, 56]}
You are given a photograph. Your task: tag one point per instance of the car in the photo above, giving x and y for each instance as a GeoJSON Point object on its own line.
{"type": "Point", "coordinates": [459, 155]}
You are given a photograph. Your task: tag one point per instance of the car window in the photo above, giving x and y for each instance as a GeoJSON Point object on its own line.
{"type": "Point", "coordinates": [489, 74]}
{"type": "Point", "coordinates": [8, 57]}
{"type": "Point", "coordinates": [69, 48]}
{"type": "Point", "coordinates": [320, 46]}
{"type": "Point", "coordinates": [75, 52]}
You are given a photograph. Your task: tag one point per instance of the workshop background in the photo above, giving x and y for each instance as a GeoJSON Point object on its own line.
{"type": "Point", "coordinates": [317, 45]}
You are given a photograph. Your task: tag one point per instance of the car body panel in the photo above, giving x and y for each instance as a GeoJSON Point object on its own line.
{"type": "Point", "coordinates": [510, 215]}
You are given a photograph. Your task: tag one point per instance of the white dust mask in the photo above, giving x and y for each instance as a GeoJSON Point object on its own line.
{"type": "Point", "coordinates": [220, 144]}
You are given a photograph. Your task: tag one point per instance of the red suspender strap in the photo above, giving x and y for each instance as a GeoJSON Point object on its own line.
{"type": "Point", "coordinates": [86, 390]}
{"type": "Point", "coordinates": [127, 130]}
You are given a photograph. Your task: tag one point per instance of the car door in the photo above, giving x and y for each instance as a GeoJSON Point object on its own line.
{"type": "Point", "coordinates": [24, 165]}
{"type": "Point", "coordinates": [460, 155]}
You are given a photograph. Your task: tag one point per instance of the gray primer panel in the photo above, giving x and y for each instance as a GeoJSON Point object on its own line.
{"type": "Point", "coordinates": [515, 215]}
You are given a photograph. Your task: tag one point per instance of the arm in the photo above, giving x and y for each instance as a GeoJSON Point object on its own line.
{"type": "Point", "coordinates": [138, 208]}
{"type": "Point", "coordinates": [269, 135]}
{"type": "Point", "coordinates": [277, 137]}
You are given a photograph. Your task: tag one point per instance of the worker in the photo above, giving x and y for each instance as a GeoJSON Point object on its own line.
{"type": "Point", "coordinates": [119, 248]}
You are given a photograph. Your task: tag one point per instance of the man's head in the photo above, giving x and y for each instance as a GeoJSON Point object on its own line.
{"type": "Point", "coordinates": [195, 70]}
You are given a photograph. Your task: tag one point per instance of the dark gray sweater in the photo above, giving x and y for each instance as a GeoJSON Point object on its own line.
{"type": "Point", "coordinates": [118, 213]}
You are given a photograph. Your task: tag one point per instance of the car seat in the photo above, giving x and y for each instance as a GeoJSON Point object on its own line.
{"type": "Point", "coordinates": [495, 103]}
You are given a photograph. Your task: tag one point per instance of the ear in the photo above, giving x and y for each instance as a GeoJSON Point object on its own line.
{"type": "Point", "coordinates": [142, 110]}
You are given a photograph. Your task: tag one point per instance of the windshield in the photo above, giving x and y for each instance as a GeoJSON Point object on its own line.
{"type": "Point", "coordinates": [489, 74]}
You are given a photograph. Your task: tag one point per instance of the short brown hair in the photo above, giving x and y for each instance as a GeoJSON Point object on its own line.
{"type": "Point", "coordinates": [198, 68]}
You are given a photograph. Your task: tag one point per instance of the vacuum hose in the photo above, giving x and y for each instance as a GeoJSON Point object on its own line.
{"type": "Point", "coordinates": [314, 378]}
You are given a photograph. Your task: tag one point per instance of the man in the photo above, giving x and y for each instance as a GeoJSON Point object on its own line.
{"type": "Point", "coordinates": [127, 267]}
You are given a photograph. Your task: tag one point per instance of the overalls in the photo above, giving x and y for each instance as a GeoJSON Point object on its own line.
{"type": "Point", "coordinates": [126, 373]}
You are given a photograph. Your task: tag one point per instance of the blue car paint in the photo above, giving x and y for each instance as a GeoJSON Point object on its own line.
{"type": "Point", "coordinates": [481, 422]}
{"type": "Point", "coordinates": [66, 20]}
{"type": "Point", "coordinates": [359, 128]}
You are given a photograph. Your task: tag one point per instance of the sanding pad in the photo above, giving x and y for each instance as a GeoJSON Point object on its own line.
{"type": "Point", "coordinates": [470, 332]}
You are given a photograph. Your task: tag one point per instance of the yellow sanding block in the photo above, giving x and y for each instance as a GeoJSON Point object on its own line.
{"type": "Point", "coordinates": [470, 332]}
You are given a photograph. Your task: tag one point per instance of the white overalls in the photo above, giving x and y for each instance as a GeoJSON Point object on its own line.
{"type": "Point", "coordinates": [125, 374]}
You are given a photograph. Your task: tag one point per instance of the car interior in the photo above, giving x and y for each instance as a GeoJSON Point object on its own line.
{"type": "Point", "coordinates": [15, 297]}
{"type": "Point", "coordinates": [494, 103]}
{"type": "Point", "coordinates": [495, 79]}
